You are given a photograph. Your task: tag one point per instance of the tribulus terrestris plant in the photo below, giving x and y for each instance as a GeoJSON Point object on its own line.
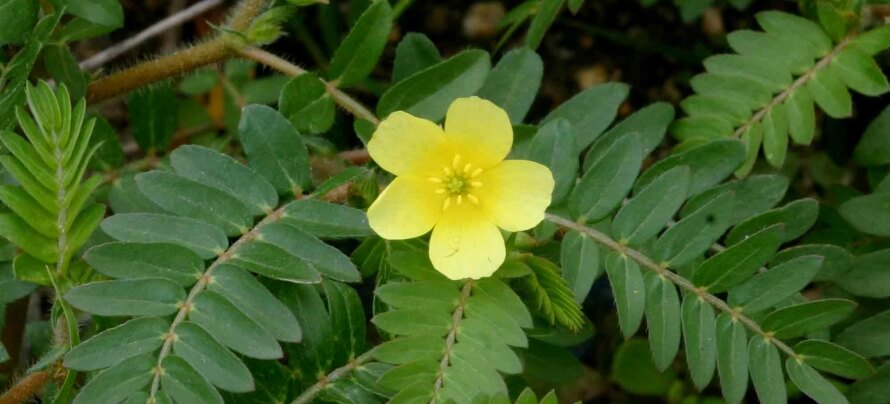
{"type": "Point", "coordinates": [444, 202]}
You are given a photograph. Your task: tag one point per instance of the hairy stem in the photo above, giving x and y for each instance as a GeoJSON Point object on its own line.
{"type": "Point", "coordinates": [452, 335]}
{"type": "Point", "coordinates": [796, 85]}
{"type": "Point", "coordinates": [156, 29]}
{"type": "Point", "coordinates": [342, 99]}
{"type": "Point", "coordinates": [202, 283]}
{"type": "Point", "coordinates": [215, 50]}
{"type": "Point", "coordinates": [678, 280]}
{"type": "Point", "coordinates": [310, 393]}
{"type": "Point", "coordinates": [26, 388]}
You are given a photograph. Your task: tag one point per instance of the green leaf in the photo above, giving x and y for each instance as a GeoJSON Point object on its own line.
{"type": "Point", "coordinates": [199, 82]}
{"type": "Point", "coordinates": [495, 318]}
{"type": "Point", "coordinates": [143, 260]}
{"type": "Point", "coordinates": [29, 269]}
{"type": "Point", "coordinates": [812, 383]}
{"type": "Point", "coordinates": [108, 348]}
{"type": "Point", "coordinates": [110, 154]}
{"type": "Point", "coordinates": [64, 69]}
{"type": "Point", "coordinates": [19, 68]}
{"type": "Point", "coordinates": [304, 100]}
{"type": "Point", "coordinates": [232, 327]}
{"type": "Point", "coordinates": [204, 239]}
{"type": "Point", "coordinates": [153, 114]}
{"type": "Point", "coordinates": [802, 318]}
{"type": "Point", "coordinates": [324, 258]}
{"type": "Point", "coordinates": [12, 289]}
{"type": "Point", "coordinates": [753, 195]}
{"type": "Point", "coordinates": [327, 220]}
{"type": "Point", "coordinates": [19, 233]}
{"type": "Point", "coordinates": [801, 116]}
{"type": "Point", "coordinates": [358, 53]}
{"type": "Point", "coordinates": [19, 17]}
{"type": "Point", "coordinates": [119, 381]}
{"type": "Point", "coordinates": [251, 297]}
{"type": "Point", "coordinates": [432, 295]}
{"type": "Point", "coordinates": [869, 337]}
{"type": "Point", "coordinates": [685, 241]}
{"type": "Point", "coordinates": [832, 358]}
{"type": "Point", "coordinates": [766, 371]}
{"type": "Point", "coordinates": [400, 377]}
{"type": "Point", "coordinates": [775, 135]}
{"type": "Point", "coordinates": [663, 319]}
{"type": "Point", "coordinates": [513, 82]}
{"type": "Point", "coordinates": [184, 384]}
{"type": "Point", "coordinates": [591, 111]}
{"type": "Point", "coordinates": [544, 17]}
{"type": "Point", "coordinates": [737, 263]}
{"type": "Point", "coordinates": [629, 290]}
{"type": "Point", "coordinates": [830, 93]}
{"type": "Point", "coordinates": [732, 358]}
{"type": "Point", "coordinates": [636, 373]}
{"type": "Point", "coordinates": [27, 209]}
{"type": "Point", "coordinates": [275, 149]}
{"type": "Point", "coordinates": [836, 260]}
{"type": "Point", "coordinates": [506, 298]}
{"type": "Point", "coordinates": [103, 12]}
{"type": "Point", "coordinates": [710, 163]}
{"type": "Point", "coordinates": [4, 356]}
{"type": "Point", "coordinates": [409, 349]}
{"type": "Point", "coordinates": [868, 276]}
{"type": "Point", "coordinates": [873, 41]}
{"type": "Point", "coordinates": [428, 93]}
{"type": "Point", "coordinates": [212, 360]}
{"type": "Point", "coordinates": [347, 320]}
{"type": "Point", "coordinates": [873, 389]}
{"type": "Point", "coordinates": [580, 262]}
{"type": "Point", "coordinates": [273, 261]}
{"type": "Point", "coordinates": [82, 228]}
{"type": "Point", "coordinates": [770, 288]}
{"type": "Point", "coordinates": [189, 198]}
{"type": "Point", "coordinates": [125, 197]}
{"type": "Point", "coordinates": [797, 216]}
{"type": "Point", "coordinates": [860, 72]}
{"type": "Point", "coordinates": [607, 182]}
{"type": "Point", "coordinates": [650, 123]}
{"type": "Point", "coordinates": [699, 336]}
{"type": "Point", "coordinates": [417, 321]}
{"type": "Point", "coordinates": [414, 53]}
{"type": "Point", "coordinates": [128, 297]}
{"type": "Point", "coordinates": [802, 29]}
{"type": "Point", "coordinates": [874, 147]}
{"type": "Point", "coordinates": [554, 146]}
{"type": "Point", "coordinates": [754, 69]}
{"type": "Point", "coordinates": [652, 208]}
{"type": "Point", "coordinates": [222, 172]}
{"type": "Point", "coordinates": [869, 214]}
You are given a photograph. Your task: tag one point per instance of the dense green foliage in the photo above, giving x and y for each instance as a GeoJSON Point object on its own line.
{"type": "Point", "coordinates": [213, 245]}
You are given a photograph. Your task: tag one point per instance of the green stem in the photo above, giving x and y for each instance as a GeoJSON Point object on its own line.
{"type": "Point", "coordinates": [342, 99]}
{"type": "Point", "coordinates": [678, 280]}
{"type": "Point", "coordinates": [452, 336]}
{"type": "Point", "coordinates": [326, 380]}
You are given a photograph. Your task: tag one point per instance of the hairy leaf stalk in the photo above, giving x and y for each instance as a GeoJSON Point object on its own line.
{"type": "Point", "coordinates": [678, 280]}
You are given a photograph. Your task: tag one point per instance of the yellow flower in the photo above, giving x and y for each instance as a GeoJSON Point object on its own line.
{"type": "Point", "coordinates": [457, 183]}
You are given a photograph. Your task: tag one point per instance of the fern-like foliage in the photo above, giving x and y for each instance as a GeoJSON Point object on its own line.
{"type": "Point", "coordinates": [194, 279]}
{"type": "Point", "coordinates": [736, 306]}
{"type": "Point", "coordinates": [452, 339]}
{"type": "Point", "coordinates": [50, 212]}
{"type": "Point", "coordinates": [766, 91]}
{"type": "Point", "coordinates": [549, 296]}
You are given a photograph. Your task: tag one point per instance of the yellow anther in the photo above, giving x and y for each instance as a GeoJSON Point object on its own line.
{"type": "Point", "coordinates": [456, 162]}
{"type": "Point", "coordinates": [447, 171]}
{"type": "Point", "coordinates": [476, 184]}
{"type": "Point", "coordinates": [467, 167]}
{"type": "Point", "coordinates": [460, 198]}
{"type": "Point", "coordinates": [476, 172]}
{"type": "Point", "coordinates": [436, 180]}
{"type": "Point", "coordinates": [446, 204]}
{"type": "Point", "coordinates": [440, 190]}
{"type": "Point", "coordinates": [473, 199]}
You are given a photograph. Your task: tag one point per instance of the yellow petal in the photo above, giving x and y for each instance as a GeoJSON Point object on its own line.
{"type": "Point", "coordinates": [407, 208]}
{"type": "Point", "coordinates": [404, 144]}
{"type": "Point", "coordinates": [466, 244]}
{"type": "Point", "coordinates": [479, 131]}
{"type": "Point", "coordinates": [515, 193]}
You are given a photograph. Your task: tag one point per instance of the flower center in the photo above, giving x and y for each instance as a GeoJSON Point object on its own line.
{"type": "Point", "coordinates": [457, 182]}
